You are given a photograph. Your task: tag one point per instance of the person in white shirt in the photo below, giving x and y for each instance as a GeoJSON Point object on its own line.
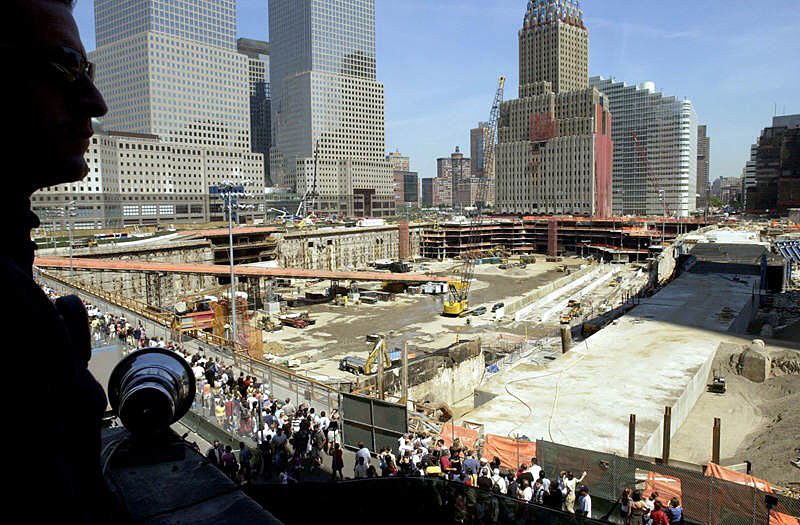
{"type": "Point", "coordinates": [584, 504]}
{"type": "Point", "coordinates": [527, 491]}
{"type": "Point", "coordinates": [535, 469]}
{"type": "Point", "coordinates": [499, 481]}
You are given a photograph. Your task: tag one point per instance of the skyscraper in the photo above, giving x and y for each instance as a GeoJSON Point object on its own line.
{"type": "Point", "coordinates": [554, 149]}
{"type": "Point", "coordinates": [478, 137]}
{"type": "Point", "coordinates": [777, 167]}
{"type": "Point", "coordinates": [257, 53]}
{"type": "Point", "coordinates": [703, 165]}
{"type": "Point", "coordinates": [328, 108]}
{"type": "Point", "coordinates": [170, 68]}
{"type": "Point", "coordinates": [665, 171]}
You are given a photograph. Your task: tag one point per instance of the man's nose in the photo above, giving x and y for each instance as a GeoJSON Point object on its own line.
{"type": "Point", "coordinates": [92, 101]}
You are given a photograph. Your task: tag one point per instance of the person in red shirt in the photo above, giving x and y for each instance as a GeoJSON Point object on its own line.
{"type": "Point", "coordinates": [658, 515]}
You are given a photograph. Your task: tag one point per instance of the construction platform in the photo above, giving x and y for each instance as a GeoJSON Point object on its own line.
{"type": "Point", "coordinates": [63, 263]}
{"type": "Point", "coordinates": [658, 355]}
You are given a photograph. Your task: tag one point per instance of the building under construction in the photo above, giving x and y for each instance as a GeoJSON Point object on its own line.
{"type": "Point", "coordinates": [621, 239]}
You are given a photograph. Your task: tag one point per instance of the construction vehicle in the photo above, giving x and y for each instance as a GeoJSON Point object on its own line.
{"type": "Point", "coordinates": [457, 303]}
{"type": "Point", "coordinates": [717, 385]}
{"type": "Point", "coordinates": [574, 310]}
{"type": "Point", "coordinates": [379, 351]}
{"type": "Point", "coordinates": [354, 365]}
{"type": "Point", "coordinates": [562, 269]}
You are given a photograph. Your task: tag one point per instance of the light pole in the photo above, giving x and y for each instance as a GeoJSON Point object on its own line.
{"type": "Point", "coordinates": [229, 192]}
{"type": "Point", "coordinates": [664, 222]}
{"type": "Point", "coordinates": [70, 212]}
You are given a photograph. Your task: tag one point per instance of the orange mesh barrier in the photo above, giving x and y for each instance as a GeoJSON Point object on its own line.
{"type": "Point", "coordinates": [511, 452]}
{"type": "Point", "coordinates": [776, 518]}
{"type": "Point", "coordinates": [467, 436]}
{"type": "Point", "coordinates": [666, 486]}
{"type": "Point", "coordinates": [715, 471]}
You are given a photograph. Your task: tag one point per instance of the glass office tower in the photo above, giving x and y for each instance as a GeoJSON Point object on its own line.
{"type": "Point", "coordinates": [328, 118]}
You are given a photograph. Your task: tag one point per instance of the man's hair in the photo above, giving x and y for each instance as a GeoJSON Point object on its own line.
{"type": "Point", "coordinates": [68, 3]}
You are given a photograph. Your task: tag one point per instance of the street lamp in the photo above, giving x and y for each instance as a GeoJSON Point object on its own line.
{"type": "Point", "coordinates": [664, 222]}
{"type": "Point", "coordinates": [230, 193]}
{"type": "Point", "coordinates": [69, 213]}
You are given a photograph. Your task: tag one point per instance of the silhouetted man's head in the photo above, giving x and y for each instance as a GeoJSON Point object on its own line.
{"type": "Point", "coordinates": [49, 95]}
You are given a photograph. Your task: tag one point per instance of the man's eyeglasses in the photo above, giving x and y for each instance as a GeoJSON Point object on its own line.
{"type": "Point", "coordinates": [70, 64]}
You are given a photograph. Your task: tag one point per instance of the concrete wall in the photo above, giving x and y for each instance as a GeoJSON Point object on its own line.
{"type": "Point", "coordinates": [449, 376]}
{"type": "Point", "coordinates": [134, 285]}
{"type": "Point", "coordinates": [520, 307]}
{"type": "Point", "coordinates": [680, 409]}
{"type": "Point", "coordinates": [334, 249]}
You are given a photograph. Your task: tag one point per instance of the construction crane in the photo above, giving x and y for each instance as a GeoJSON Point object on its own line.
{"type": "Point", "coordinates": [457, 303]}
{"type": "Point", "coordinates": [643, 155]}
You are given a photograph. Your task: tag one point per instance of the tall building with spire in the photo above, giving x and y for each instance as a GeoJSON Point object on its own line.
{"type": "Point", "coordinates": [554, 152]}
{"type": "Point", "coordinates": [328, 120]}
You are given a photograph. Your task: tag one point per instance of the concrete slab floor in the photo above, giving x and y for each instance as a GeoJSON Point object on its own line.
{"type": "Point", "coordinates": [645, 361]}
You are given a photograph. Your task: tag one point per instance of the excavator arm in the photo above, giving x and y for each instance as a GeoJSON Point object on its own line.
{"type": "Point", "coordinates": [380, 348]}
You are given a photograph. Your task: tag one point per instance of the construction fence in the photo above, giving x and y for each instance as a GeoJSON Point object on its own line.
{"type": "Point", "coordinates": [281, 382]}
{"type": "Point", "coordinates": [705, 499]}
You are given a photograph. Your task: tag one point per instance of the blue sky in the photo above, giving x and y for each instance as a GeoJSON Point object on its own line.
{"type": "Point", "coordinates": [440, 60]}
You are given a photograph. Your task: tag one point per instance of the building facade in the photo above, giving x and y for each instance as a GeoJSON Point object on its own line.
{"type": "Point", "coordinates": [655, 150]}
{"type": "Point", "coordinates": [426, 186]}
{"type": "Point", "coordinates": [133, 179]}
{"type": "Point", "coordinates": [703, 166]}
{"type": "Point", "coordinates": [257, 53]}
{"type": "Point", "coordinates": [328, 122]}
{"type": "Point", "coordinates": [554, 149]}
{"type": "Point", "coordinates": [727, 189]}
{"type": "Point", "coordinates": [777, 168]}
{"type": "Point", "coordinates": [170, 69]}
{"type": "Point", "coordinates": [455, 172]}
{"type": "Point", "coordinates": [406, 193]}
{"type": "Point", "coordinates": [478, 138]}
{"type": "Point", "coordinates": [398, 161]}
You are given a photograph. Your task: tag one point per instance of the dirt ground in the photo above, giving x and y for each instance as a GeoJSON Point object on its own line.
{"type": "Point", "coordinates": [341, 331]}
{"type": "Point", "coordinates": [760, 421]}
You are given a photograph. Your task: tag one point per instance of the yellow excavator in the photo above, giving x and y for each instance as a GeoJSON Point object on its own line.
{"type": "Point", "coordinates": [378, 352]}
{"type": "Point", "coordinates": [457, 303]}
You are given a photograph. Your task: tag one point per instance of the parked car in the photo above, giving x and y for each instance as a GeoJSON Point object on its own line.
{"type": "Point", "coordinates": [497, 307]}
{"type": "Point", "coordinates": [479, 311]}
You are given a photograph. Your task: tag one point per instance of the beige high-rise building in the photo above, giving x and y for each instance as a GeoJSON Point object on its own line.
{"type": "Point", "coordinates": [554, 149]}
{"type": "Point", "coordinates": [398, 161]}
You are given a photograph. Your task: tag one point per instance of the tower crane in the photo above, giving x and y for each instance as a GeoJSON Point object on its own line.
{"type": "Point", "coordinates": [457, 303]}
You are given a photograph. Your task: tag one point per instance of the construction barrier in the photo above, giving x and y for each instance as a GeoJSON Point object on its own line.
{"type": "Point", "coordinates": [512, 452]}
{"type": "Point", "coordinates": [467, 436]}
{"type": "Point", "coordinates": [777, 518]}
{"type": "Point", "coordinates": [715, 471]}
{"type": "Point", "coordinates": [667, 487]}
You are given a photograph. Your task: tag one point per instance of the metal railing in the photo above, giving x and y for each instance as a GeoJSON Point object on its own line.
{"type": "Point", "coordinates": [281, 382]}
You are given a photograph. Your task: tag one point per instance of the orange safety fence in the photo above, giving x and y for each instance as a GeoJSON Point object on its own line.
{"type": "Point", "coordinates": [666, 486]}
{"type": "Point", "coordinates": [511, 452]}
{"type": "Point", "coordinates": [715, 471]}
{"type": "Point", "coordinates": [776, 518]}
{"type": "Point", "coordinates": [467, 436]}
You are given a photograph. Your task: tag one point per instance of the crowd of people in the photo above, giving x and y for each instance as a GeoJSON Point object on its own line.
{"type": "Point", "coordinates": [636, 509]}
{"type": "Point", "coordinates": [293, 443]}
